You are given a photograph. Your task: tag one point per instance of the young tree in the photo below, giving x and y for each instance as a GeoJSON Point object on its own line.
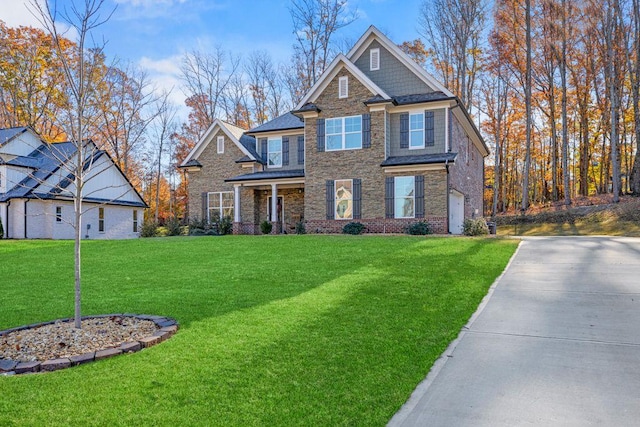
{"type": "Point", "coordinates": [527, 92]}
{"type": "Point", "coordinates": [163, 128]}
{"type": "Point", "coordinates": [81, 73]}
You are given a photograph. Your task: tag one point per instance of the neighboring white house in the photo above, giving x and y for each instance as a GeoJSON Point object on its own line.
{"type": "Point", "coordinates": [36, 188]}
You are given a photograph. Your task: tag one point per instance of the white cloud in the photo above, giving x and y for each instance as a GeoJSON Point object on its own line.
{"type": "Point", "coordinates": [165, 75]}
{"type": "Point", "coordinates": [15, 13]}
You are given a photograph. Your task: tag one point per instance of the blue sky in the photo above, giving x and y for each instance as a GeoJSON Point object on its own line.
{"type": "Point", "coordinates": [154, 34]}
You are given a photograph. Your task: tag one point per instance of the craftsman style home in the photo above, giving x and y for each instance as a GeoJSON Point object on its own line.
{"type": "Point", "coordinates": [376, 140]}
{"type": "Point", "coordinates": [36, 189]}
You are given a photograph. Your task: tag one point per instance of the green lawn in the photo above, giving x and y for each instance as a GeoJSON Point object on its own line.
{"type": "Point", "coordinates": [275, 330]}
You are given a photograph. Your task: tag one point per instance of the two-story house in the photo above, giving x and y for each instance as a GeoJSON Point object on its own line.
{"type": "Point", "coordinates": [376, 140]}
{"type": "Point", "coordinates": [37, 186]}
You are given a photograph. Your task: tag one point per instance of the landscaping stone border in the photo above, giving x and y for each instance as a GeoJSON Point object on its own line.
{"type": "Point", "coordinates": [167, 326]}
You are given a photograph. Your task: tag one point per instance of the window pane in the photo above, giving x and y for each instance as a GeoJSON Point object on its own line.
{"type": "Point", "coordinates": [417, 138]}
{"type": "Point", "coordinates": [344, 199]}
{"type": "Point", "coordinates": [353, 124]}
{"type": "Point", "coordinates": [404, 186]}
{"type": "Point", "coordinates": [333, 126]}
{"type": "Point", "coordinates": [334, 142]}
{"type": "Point", "coordinates": [275, 152]}
{"type": "Point", "coordinates": [227, 199]}
{"type": "Point", "coordinates": [404, 207]}
{"type": "Point", "coordinates": [353, 140]}
{"type": "Point", "coordinates": [416, 121]}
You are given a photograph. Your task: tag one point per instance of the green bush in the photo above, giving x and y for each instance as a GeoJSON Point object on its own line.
{"type": "Point", "coordinates": [419, 228]}
{"type": "Point", "coordinates": [266, 227]}
{"type": "Point", "coordinates": [173, 227]}
{"type": "Point", "coordinates": [301, 228]}
{"type": "Point", "coordinates": [149, 229]}
{"type": "Point", "coordinates": [475, 227]}
{"type": "Point", "coordinates": [353, 228]}
{"type": "Point", "coordinates": [225, 226]}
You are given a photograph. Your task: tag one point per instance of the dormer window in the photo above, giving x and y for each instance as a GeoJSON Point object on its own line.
{"type": "Point", "coordinates": [343, 87]}
{"type": "Point", "coordinates": [220, 144]}
{"type": "Point", "coordinates": [374, 59]}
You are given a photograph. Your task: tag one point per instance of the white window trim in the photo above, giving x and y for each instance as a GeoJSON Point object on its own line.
{"type": "Point", "coordinates": [343, 82]}
{"type": "Point", "coordinates": [220, 143]}
{"type": "Point", "coordinates": [269, 152]}
{"type": "Point", "coordinates": [219, 207]}
{"type": "Point", "coordinates": [335, 199]}
{"type": "Point", "coordinates": [344, 134]}
{"type": "Point", "coordinates": [396, 197]}
{"type": "Point", "coordinates": [417, 147]}
{"type": "Point", "coordinates": [373, 66]}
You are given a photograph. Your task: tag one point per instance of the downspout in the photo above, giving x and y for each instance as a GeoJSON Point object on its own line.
{"type": "Point", "coordinates": [25, 217]}
{"type": "Point", "coordinates": [446, 166]}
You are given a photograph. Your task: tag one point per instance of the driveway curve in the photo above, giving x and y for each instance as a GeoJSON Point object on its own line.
{"type": "Point", "coordinates": [556, 342]}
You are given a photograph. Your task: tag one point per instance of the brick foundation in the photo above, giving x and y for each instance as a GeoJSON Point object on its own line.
{"type": "Point", "coordinates": [377, 225]}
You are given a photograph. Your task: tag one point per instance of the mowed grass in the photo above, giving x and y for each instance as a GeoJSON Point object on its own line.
{"type": "Point", "coordinates": [275, 330]}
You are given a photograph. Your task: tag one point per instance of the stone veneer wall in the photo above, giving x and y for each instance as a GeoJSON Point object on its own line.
{"type": "Point", "coordinates": [467, 174]}
{"type": "Point", "coordinates": [215, 169]}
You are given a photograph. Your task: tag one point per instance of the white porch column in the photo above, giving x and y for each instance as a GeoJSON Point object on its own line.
{"type": "Point", "coordinates": [236, 203]}
{"type": "Point", "coordinates": [274, 202]}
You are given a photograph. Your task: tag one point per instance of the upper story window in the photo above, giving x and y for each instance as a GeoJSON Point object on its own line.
{"type": "Point", "coordinates": [343, 87]}
{"type": "Point", "coordinates": [343, 133]}
{"type": "Point", "coordinates": [274, 152]}
{"type": "Point", "coordinates": [416, 130]}
{"type": "Point", "coordinates": [374, 59]}
{"type": "Point", "coordinates": [220, 144]}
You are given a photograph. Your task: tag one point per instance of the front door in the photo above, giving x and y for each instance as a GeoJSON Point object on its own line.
{"type": "Point", "coordinates": [456, 212]}
{"type": "Point", "coordinates": [280, 210]}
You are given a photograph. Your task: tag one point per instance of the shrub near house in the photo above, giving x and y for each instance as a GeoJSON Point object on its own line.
{"type": "Point", "coordinates": [377, 140]}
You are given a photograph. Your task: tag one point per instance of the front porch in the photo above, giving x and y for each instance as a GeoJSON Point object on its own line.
{"type": "Point", "coordinates": [276, 197]}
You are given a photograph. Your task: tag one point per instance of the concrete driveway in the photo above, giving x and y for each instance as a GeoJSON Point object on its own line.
{"type": "Point", "coordinates": [556, 342]}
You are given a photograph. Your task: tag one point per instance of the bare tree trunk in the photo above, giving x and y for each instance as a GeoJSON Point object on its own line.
{"type": "Point", "coordinates": [565, 125]}
{"type": "Point", "coordinates": [635, 93]}
{"type": "Point", "coordinates": [527, 89]}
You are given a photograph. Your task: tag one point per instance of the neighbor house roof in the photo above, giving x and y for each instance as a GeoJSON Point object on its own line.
{"type": "Point", "coordinates": [8, 134]}
{"type": "Point", "coordinates": [286, 121]}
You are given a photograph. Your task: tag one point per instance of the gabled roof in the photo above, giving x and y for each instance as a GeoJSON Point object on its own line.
{"type": "Point", "coordinates": [245, 143]}
{"type": "Point", "coordinates": [374, 34]}
{"type": "Point", "coordinates": [8, 134]}
{"type": "Point", "coordinates": [328, 75]}
{"type": "Point", "coordinates": [286, 121]}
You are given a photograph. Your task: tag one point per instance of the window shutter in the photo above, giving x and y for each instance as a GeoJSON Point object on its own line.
{"type": "Point", "coordinates": [301, 150]}
{"type": "Point", "coordinates": [428, 129]}
{"type": "Point", "coordinates": [320, 133]}
{"type": "Point", "coordinates": [285, 150]}
{"type": "Point", "coordinates": [389, 196]}
{"type": "Point", "coordinates": [205, 206]}
{"type": "Point", "coordinates": [331, 198]}
{"type": "Point", "coordinates": [366, 131]}
{"type": "Point", "coordinates": [357, 197]}
{"type": "Point", "coordinates": [263, 146]}
{"type": "Point", "coordinates": [419, 182]}
{"type": "Point", "coordinates": [404, 130]}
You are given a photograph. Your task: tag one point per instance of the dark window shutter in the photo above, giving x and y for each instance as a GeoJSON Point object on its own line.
{"type": "Point", "coordinates": [331, 199]}
{"type": "Point", "coordinates": [320, 132]}
{"type": "Point", "coordinates": [404, 130]}
{"type": "Point", "coordinates": [357, 198]}
{"type": "Point", "coordinates": [285, 150]}
{"type": "Point", "coordinates": [388, 197]}
{"type": "Point", "coordinates": [419, 183]}
{"type": "Point", "coordinates": [263, 146]}
{"type": "Point", "coordinates": [366, 131]}
{"type": "Point", "coordinates": [429, 140]}
{"type": "Point", "coordinates": [205, 206]}
{"type": "Point", "coordinates": [301, 150]}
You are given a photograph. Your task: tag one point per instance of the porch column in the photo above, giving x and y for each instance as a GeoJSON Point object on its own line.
{"type": "Point", "coordinates": [274, 203]}
{"type": "Point", "coordinates": [236, 203]}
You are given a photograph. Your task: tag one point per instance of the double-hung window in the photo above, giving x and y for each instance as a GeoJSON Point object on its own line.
{"type": "Point", "coordinates": [416, 130]}
{"type": "Point", "coordinates": [135, 220]}
{"type": "Point", "coordinates": [344, 199]}
{"type": "Point", "coordinates": [404, 197]}
{"type": "Point", "coordinates": [58, 213]}
{"type": "Point", "coordinates": [220, 204]}
{"type": "Point", "coordinates": [343, 133]}
{"type": "Point", "coordinates": [274, 152]}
